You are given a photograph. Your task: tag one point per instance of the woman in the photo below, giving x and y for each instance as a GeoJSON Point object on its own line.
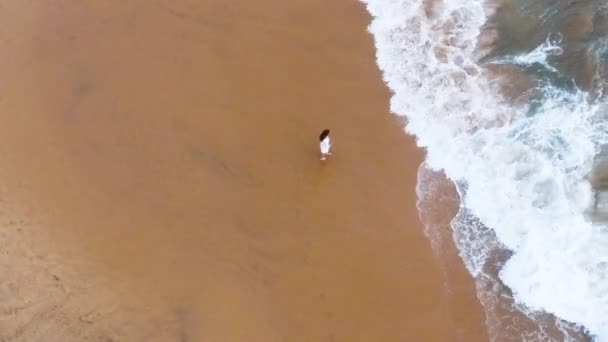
{"type": "Point", "coordinates": [325, 144]}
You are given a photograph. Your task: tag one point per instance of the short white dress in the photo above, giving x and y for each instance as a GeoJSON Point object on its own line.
{"type": "Point", "coordinates": [325, 145]}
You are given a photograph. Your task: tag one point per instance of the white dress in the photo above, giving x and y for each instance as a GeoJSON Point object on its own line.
{"type": "Point", "coordinates": [325, 145]}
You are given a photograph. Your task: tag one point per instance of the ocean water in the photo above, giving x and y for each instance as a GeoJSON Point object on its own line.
{"type": "Point", "coordinates": [508, 100]}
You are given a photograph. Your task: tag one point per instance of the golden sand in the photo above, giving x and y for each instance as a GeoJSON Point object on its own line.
{"type": "Point", "coordinates": [161, 181]}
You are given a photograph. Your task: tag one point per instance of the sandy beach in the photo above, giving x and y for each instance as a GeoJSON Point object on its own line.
{"type": "Point", "coordinates": [161, 181]}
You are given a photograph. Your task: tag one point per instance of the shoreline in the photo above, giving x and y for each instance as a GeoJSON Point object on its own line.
{"type": "Point", "coordinates": [169, 169]}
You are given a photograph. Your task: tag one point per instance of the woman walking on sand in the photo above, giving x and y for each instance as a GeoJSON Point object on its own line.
{"type": "Point", "coordinates": [325, 144]}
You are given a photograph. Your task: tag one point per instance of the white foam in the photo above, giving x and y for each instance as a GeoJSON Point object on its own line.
{"type": "Point", "coordinates": [539, 55]}
{"type": "Point", "coordinates": [524, 174]}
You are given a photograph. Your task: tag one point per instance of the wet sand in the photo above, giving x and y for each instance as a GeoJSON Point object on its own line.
{"type": "Point", "coordinates": [161, 181]}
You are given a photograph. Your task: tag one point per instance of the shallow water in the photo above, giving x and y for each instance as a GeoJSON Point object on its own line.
{"type": "Point", "coordinates": [507, 99]}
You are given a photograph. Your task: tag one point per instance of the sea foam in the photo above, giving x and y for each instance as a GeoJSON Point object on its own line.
{"type": "Point", "coordinates": [521, 170]}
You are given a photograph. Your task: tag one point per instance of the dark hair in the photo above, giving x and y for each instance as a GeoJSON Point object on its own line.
{"type": "Point", "coordinates": [324, 134]}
